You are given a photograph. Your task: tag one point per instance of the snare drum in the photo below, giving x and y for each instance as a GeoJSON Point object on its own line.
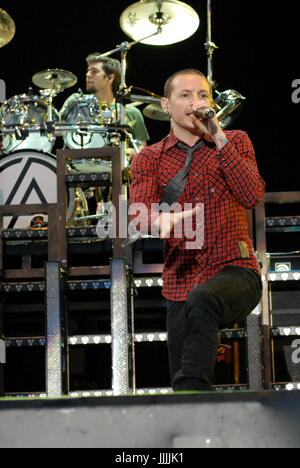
{"type": "Point", "coordinates": [21, 111]}
{"type": "Point", "coordinates": [83, 109]}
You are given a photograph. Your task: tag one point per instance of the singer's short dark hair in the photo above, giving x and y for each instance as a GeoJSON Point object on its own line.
{"type": "Point", "coordinates": [110, 66]}
{"type": "Point", "coordinates": [187, 71]}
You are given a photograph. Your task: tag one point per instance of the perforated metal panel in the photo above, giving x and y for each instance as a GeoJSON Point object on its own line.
{"type": "Point", "coordinates": [119, 328]}
{"type": "Point", "coordinates": [55, 348]}
{"type": "Point", "coordinates": [255, 350]}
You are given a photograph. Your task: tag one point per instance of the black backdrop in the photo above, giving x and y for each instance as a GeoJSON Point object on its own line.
{"type": "Point", "coordinates": [257, 56]}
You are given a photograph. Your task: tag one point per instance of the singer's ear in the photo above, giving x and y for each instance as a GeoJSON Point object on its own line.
{"type": "Point", "coordinates": [165, 104]}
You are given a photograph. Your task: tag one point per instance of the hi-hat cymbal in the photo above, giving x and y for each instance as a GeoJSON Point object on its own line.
{"type": "Point", "coordinates": [155, 112]}
{"type": "Point", "coordinates": [54, 79]}
{"type": "Point", "coordinates": [177, 21]}
{"type": "Point", "coordinates": [7, 28]}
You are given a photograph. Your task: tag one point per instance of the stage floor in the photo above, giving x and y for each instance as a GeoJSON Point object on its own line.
{"type": "Point", "coordinates": [176, 421]}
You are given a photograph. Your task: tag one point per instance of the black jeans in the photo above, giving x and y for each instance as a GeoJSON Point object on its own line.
{"type": "Point", "coordinates": [193, 325]}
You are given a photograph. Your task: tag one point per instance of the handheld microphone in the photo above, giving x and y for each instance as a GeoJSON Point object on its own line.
{"type": "Point", "coordinates": [204, 114]}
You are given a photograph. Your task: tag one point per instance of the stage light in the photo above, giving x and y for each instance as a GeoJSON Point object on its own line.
{"type": "Point", "coordinates": [272, 276]}
{"type": "Point", "coordinates": [97, 340]}
{"type": "Point", "coordinates": [152, 282]}
{"type": "Point", "coordinates": [139, 338]}
{"type": "Point", "coordinates": [107, 339]}
{"type": "Point", "coordinates": [289, 387]}
{"type": "Point", "coordinates": [163, 336]}
{"type": "Point", "coordinates": [285, 276]}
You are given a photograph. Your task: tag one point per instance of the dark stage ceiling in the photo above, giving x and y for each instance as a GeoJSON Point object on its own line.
{"type": "Point", "coordinates": [257, 56]}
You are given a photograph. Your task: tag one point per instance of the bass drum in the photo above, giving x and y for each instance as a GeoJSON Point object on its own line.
{"type": "Point", "coordinates": [26, 109]}
{"type": "Point", "coordinates": [27, 177]}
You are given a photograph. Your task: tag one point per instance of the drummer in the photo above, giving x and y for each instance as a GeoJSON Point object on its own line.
{"type": "Point", "coordinates": [103, 80]}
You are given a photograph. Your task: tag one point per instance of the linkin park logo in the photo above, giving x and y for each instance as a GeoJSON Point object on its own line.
{"type": "Point", "coordinates": [27, 177]}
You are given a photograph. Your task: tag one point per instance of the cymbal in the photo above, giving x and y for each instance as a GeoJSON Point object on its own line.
{"type": "Point", "coordinates": [134, 104]}
{"type": "Point", "coordinates": [176, 20]}
{"type": "Point", "coordinates": [155, 112]}
{"type": "Point", "coordinates": [54, 79]}
{"type": "Point", "coordinates": [7, 28]}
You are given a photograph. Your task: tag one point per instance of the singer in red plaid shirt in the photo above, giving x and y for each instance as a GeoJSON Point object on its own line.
{"type": "Point", "coordinates": [218, 284]}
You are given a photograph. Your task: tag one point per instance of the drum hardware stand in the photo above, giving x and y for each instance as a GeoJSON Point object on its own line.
{"type": "Point", "coordinates": [49, 94]}
{"type": "Point", "coordinates": [125, 96]}
{"type": "Point", "coordinates": [22, 133]}
{"type": "Point", "coordinates": [209, 45]}
{"type": "Point", "coordinates": [133, 142]}
{"type": "Point", "coordinates": [124, 49]}
{"type": "Point", "coordinates": [91, 217]}
{"type": "Point", "coordinates": [230, 100]}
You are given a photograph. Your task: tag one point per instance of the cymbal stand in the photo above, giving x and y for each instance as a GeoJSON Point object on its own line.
{"type": "Point", "coordinates": [124, 48]}
{"type": "Point", "coordinates": [209, 45]}
{"type": "Point", "coordinates": [228, 102]}
{"type": "Point", "coordinates": [133, 142]}
{"type": "Point", "coordinates": [49, 94]}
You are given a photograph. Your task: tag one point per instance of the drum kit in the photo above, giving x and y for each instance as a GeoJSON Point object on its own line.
{"type": "Point", "coordinates": [30, 123]}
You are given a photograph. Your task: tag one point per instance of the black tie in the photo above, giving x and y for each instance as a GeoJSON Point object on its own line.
{"type": "Point", "coordinates": [176, 187]}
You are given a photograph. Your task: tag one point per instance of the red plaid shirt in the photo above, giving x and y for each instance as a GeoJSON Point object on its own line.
{"type": "Point", "coordinates": [227, 182]}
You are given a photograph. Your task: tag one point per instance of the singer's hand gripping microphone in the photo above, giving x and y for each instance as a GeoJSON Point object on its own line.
{"type": "Point", "coordinates": [204, 114]}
